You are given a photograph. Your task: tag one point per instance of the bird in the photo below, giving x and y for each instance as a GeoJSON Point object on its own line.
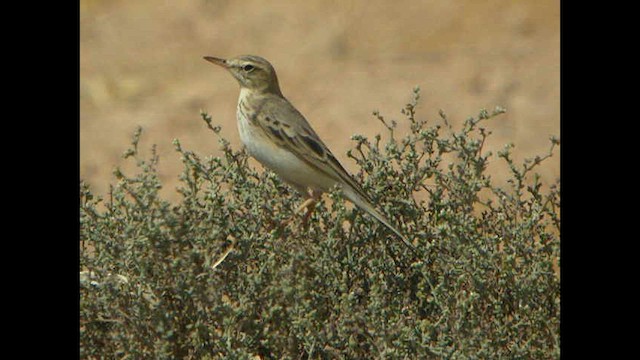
{"type": "Point", "coordinates": [276, 134]}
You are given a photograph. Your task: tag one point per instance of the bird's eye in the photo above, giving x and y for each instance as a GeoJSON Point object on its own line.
{"type": "Point", "coordinates": [247, 68]}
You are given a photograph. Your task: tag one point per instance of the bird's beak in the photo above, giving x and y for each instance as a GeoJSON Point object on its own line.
{"type": "Point", "coordinates": [217, 61]}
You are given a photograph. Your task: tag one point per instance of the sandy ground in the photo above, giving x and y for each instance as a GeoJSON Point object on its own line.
{"type": "Point", "coordinates": [337, 61]}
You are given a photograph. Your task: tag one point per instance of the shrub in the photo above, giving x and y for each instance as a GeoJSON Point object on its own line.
{"type": "Point", "coordinates": [230, 271]}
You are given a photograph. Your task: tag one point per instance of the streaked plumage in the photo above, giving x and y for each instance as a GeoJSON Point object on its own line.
{"type": "Point", "coordinates": [280, 138]}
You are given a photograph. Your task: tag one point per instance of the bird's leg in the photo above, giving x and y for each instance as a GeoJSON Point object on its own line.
{"type": "Point", "coordinates": [310, 202]}
{"type": "Point", "coordinates": [310, 205]}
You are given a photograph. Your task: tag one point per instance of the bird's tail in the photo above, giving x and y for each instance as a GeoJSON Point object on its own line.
{"type": "Point", "coordinates": [366, 205]}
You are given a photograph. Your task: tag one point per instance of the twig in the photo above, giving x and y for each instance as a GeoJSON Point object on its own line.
{"type": "Point", "coordinates": [226, 252]}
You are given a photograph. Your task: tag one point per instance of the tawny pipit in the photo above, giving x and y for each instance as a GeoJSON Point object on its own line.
{"type": "Point", "coordinates": [280, 138]}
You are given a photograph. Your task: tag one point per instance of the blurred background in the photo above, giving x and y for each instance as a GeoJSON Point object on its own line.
{"type": "Point", "coordinates": [337, 61]}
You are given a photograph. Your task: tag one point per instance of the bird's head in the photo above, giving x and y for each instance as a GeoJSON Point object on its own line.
{"type": "Point", "coordinates": [252, 72]}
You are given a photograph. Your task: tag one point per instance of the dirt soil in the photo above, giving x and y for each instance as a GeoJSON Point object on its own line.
{"type": "Point", "coordinates": [337, 61]}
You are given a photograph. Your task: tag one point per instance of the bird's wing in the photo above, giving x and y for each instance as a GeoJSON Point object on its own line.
{"type": "Point", "coordinates": [286, 126]}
